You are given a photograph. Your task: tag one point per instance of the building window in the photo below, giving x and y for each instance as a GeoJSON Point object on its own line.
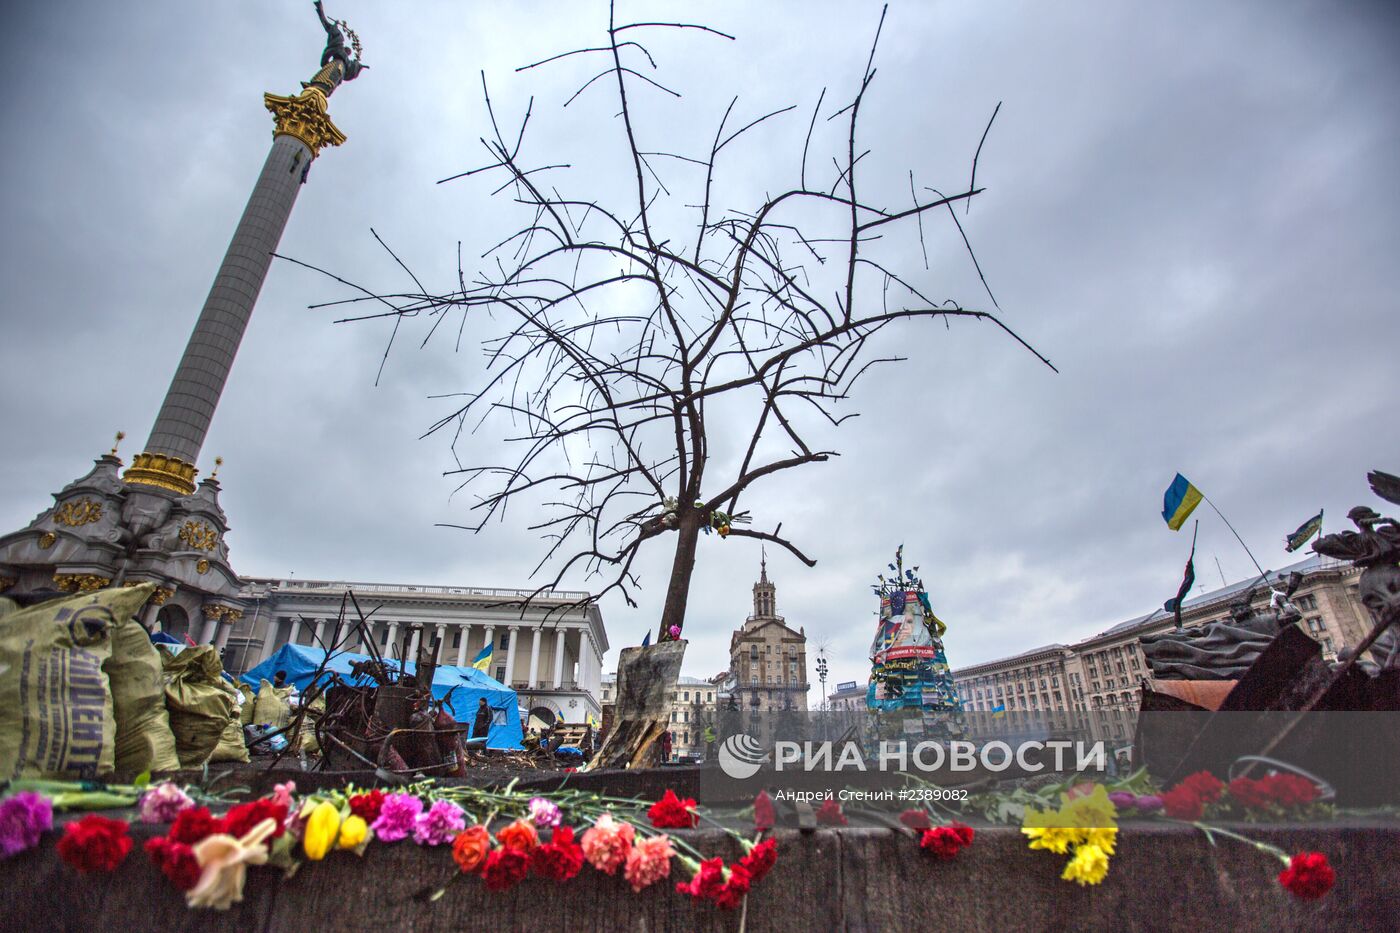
{"type": "Point", "coordinates": [501, 673]}
{"type": "Point", "coordinates": [505, 639]}
{"type": "Point", "coordinates": [457, 638]}
{"type": "Point", "coordinates": [1306, 603]}
{"type": "Point", "coordinates": [686, 696]}
{"type": "Point", "coordinates": [1315, 625]}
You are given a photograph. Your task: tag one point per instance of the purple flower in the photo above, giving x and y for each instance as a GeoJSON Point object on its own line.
{"type": "Point", "coordinates": [1149, 803]}
{"type": "Point", "coordinates": [544, 812]}
{"type": "Point", "coordinates": [440, 825]}
{"type": "Point", "coordinates": [23, 819]}
{"type": "Point", "coordinates": [675, 631]}
{"type": "Point", "coordinates": [1123, 800]}
{"type": "Point", "coordinates": [162, 803]}
{"type": "Point", "coordinates": [396, 817]}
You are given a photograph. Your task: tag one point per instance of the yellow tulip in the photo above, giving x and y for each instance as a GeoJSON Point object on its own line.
{"type": "Point", "coordinates": [353, 832]}
{"type": "Point", "coordinates": [321, 829]}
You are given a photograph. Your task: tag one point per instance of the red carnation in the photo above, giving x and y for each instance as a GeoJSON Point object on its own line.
{"type": "Point", "coordinates": [763, 814]}
{"type": "Point", "coordinates": [671, 812]}
{"type": "Point", "coordinates": [175, 860]}
{"type": "Point", "coordinates": [560, 858]}
{"type": "Point", "coordinates": [1182, 803]}
{"type": "Point", "coordinates": [95, 843]}
{"type": "Point", "coordinates": [242, 818]}
{"type": "Point", "coordinates": [1289, 790]}
{"type": "Point", "coordinates": [1204, 785]}
{"type": "Point", "coordinates": [505, 867]}
{"type": "Point", "coordinates": [193, 824]}
{"type": "Point", "coordinates": [945, 842]}
{"type": "Point", "coordinates": [1308, 876]}
{"type": "Point", "coordinates": [708, 881]}
{"type": "Point", "coordinates": [916, 819]}
{"type": "Point", "coordinates": [367, 806]}
{"type": "Point", "coordinates": [760, 860]}
{"type": "Point", "coordinates": [734, 889]}
{"type": "Point", "coordinates": [829, 814]}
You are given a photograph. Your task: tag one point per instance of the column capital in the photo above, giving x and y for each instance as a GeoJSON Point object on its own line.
{"type": "Point", "coordinates": [304, 117]}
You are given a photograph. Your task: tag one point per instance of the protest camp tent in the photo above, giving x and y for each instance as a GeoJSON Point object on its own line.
{"type": "Point", "coordinates": [467, 686]}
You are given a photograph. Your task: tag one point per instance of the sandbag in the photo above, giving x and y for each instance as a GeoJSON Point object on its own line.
{"type": "Point", "coordinates": [245, 711]}
{"type": "Point", "coordinates": [199, 701]}
{"type": "Point", "coordinates": [305, 740]}
{"type": "Point", "coordinates": [271, 707]}
{"type": "Point", "coordinates": [231, 747]}
{"type": "Point", "coordinates": [135, 675]}
{"type": "Point", "coordinates": [56, 716]}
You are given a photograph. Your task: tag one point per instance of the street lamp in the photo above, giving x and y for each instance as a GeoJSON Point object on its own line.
{"type": "Point", "coordinates": [821, 675]}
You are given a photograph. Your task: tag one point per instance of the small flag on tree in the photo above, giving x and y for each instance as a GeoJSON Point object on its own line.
{"type": "Point", "coordinates": [1304, 533]}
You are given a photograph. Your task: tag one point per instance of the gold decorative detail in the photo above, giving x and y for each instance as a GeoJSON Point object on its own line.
{"type": "Point", "coordinates": [304, 117]}
{"type": "Point", "coordinates": [79, 582]}
{"type": "Point", "coordinates": [6, 583]}
{"type": "Point", "coordinates": [79, 512]}
{"type": "Point", "coordinates": [161, 594]}
{"type": "Point", "coordinates": [121, 436]}
{"type": "Point", "coordinates": [164, 471]}
{"type": "Point", "coordinates": [202, 566]}
{"type": "Point", "coordinates": [46, 540]}
{"type": "Point", "coordinates": [199, 535]}
{"type": "Point", "coordinates": [222, 613]}
{"type": "Point", "coordinates": [218, 462]}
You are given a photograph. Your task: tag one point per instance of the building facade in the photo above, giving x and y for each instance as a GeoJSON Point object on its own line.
{"type": "Point", "coordinates": [1107, 671]}
{"type": "Point", "coordinates": [692, 708]}
{"type": "Point", "coordinates": [849, 696]}
{"type": "Point", "coordinates": [552, 656]}
{"type": "Point", "coordinates": [767, 658]}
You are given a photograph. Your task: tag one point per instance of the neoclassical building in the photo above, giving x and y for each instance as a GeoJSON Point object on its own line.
{"type": "Point", "coordinates": [550, 655]}
{"type": "Point", "coordinates": [767, 658]}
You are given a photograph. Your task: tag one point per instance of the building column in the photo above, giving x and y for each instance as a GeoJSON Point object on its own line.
{"type": "Point", "coordinates": [559, 634]}
{"type": "Point", "coordinates": [510, 654]}
{"type": "Point", "coordinates": [534, 657]}
{"type": "Point", "coordinates": [321, 633]}
{"type": "Point", "coordinates": [442, 641]}
{"type": "Point", "coordinates": [414, 642]}
{"type": "Point", "coordinates": [211, 627]}
{"type": "Point", "coordinates": [391, 640]}
{"type": "Point", "coordinates": [269, 638]}
{"type": "Point", "coordinates": [462, 645]}
{"type": "Point", "coordinates": [585, 662]}
{"type": "Point", "coordinates": [294, 632]}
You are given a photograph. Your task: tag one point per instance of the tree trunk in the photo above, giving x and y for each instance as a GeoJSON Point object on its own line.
{"type": "Point", "coordinates": [678, 590]}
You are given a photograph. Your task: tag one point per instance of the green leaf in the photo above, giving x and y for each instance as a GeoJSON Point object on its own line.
{"type": "Point", "coordinates": [142, 780]}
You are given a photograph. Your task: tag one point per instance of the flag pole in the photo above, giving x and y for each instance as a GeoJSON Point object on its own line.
{"type": "Point", "coordinates": [1262, 572]}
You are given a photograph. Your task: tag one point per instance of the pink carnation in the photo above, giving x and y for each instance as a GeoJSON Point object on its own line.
{"type": "Point", "coordinates": [282, 793]}
{"type": "Point", "coordinates": [162, 803]}
{"type": "Point", "coordinates": [607, 843]}
{"type": "Point", "coordinates": [23, 819]}
{"type": "Point", "coordinates": [545, 812]}
{"type": "Point", "coordinates": [440, 825]}
{"type": "Point", "coordinates": [396, 817]}
{"type": "Point", "coordinates": [648, 862]}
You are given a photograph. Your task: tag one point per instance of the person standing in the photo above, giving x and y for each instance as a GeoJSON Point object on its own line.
{"type": "Point", "coordinates": [482, 726]}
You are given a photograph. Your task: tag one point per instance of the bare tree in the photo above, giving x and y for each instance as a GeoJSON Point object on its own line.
{"type": "Point", "coordinates": [644, 336]}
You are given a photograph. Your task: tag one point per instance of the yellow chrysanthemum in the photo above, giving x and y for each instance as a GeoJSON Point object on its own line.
{"type": "Point", "coordinates": [1089, 865]}
{"type": "Point", "coordinates": [1047, 830]}
{"type": "Point", "coordinates": [352, 832]}
{"type": "Point", "coordinates": [1093, 811]}
{"type": "Point", "coordinates": [1106, 839]}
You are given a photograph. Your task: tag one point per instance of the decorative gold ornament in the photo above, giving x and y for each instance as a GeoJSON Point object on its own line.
{"type": "Point", "coordinates": [121, 436]}
{"type": "Point", "coordinates": [46, 540]}
{"type": "Point", "coordinates": [79, 582]}
{"type": "Point", "coordinates": [304, 117]}
{"type": "Point", "coordinates": [161, 594]}
{"type": "Point", "coordinates": [202, 566]}
{"type": "Point", "coordinates": [6, 583]}
{"type": "Point", "coordinates": [78, 512]}
{"type": "Point", "coordinates": [164, 471]}
{"type": "Point", "coordinates": [200, 536]}
{"type": "Point", "coordinates": [218, 462]}
{"type": "Point", "coordinates": [222, 613]}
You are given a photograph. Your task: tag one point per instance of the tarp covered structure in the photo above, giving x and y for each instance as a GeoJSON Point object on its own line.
{"type": "Point", "coordinates": [467, 686]}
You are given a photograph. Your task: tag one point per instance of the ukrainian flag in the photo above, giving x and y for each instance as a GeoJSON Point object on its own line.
{"type": "Point", "coordinates": [483, 660]}
{"type": "Point", "coordinates": [999, 711]}
{"type": "Point", "coordinates": [1179, 502]}
{"type": "Point", "coordinates": [589, 720]}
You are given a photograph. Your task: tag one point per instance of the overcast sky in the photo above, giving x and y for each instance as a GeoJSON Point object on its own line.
{"type": "Point", "coordinates": [1192, 209]}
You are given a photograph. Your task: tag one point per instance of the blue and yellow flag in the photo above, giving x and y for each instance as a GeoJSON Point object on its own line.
{"type": "Point", "coordinates": [589, 720]}
{"type": "Point", "coordinates": [483, 660]}
{"type": "Point", "coordinates": [999, 711]}
{"type": "Point", "coordinates": [1305, 531]}
{"type": "Point", "coordinates": [1179, 502]}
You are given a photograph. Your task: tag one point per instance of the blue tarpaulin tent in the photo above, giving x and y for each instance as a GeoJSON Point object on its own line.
{"type": "Point", "coordinates": [466, 684]}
